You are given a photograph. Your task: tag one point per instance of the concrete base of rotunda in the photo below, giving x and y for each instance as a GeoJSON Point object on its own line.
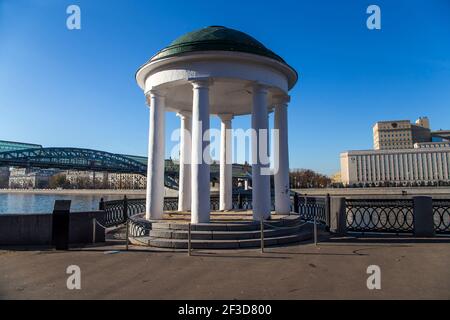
{"type": "Point", "coordinates": [233, 229]}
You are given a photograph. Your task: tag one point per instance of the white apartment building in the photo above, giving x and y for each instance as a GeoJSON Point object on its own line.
{"type": "Point", "coordinates": [426, 162]}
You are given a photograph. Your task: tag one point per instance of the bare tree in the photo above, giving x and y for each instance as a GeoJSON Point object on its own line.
{"type": "Point", "coordinates": [306, 178]}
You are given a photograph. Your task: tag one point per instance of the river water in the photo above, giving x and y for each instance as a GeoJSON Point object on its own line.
{"type": "Point", "coordinates": [43, 203]}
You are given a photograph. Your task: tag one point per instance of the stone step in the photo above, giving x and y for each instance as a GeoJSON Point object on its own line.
{"type": "Point", "coordinates": [224, 235]}
{"type": "Point", "coordinates": [233, 226]}
{"type": "Point", "coordinates": [305, 233]}
{"type": "Point", "coordinates": [225, 244]}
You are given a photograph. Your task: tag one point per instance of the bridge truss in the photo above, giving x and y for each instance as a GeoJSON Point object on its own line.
{"type": "Point", "coordinates": [72, 159]}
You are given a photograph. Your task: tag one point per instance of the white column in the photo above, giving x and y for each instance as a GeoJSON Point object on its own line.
{"type": "Point", "coordinates": [425, 166]}
{"type": "Point", "coordinates": [396, 164]}
{"type": "Point", "coordinates": [444, 165]}
{"type": "Point", "coordinates": [359, 165]}
{"type": "Point", "coordinates": [416, 171]}
{"type": "Point", "coordinates": [184, 183]}
{"type": "Point", "coordinates": [377, 167]}
{"type": "Point", "coordinates": [401, 165]}
{"type": "Point", "coordinates": [200, 171]}
{"type": "Point", "coordinates": [430, 167]}
{"type": "Point", "coordinates": [281, 167]}
{"type": "Point", "coordinates": [374, 168]}
{"type": "Point", "coordinates": [364, 169]}
{"type": "Point", "coordinates": [155, 168]}
{"type": "Point", "coordinates": [439, 165]}
{"type": "Point", "coordinates": [420, 166]}
{"type": "Point", "coordinates": [226, 166]}
{"type": "Point", "coordinates": [260, 165]}
{"type": "Point", "coordinates": [392, 167]}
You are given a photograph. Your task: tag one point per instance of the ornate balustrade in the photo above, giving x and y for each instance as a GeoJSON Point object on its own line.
{"type": "Point", "coordinates": [314, 207]}
{"type": "Point", "coordinates": [118, 211]}
{"type": "Point", "coordinates": [310, 208]}
{"type": "Point", "coordinates": [362, 215]}
{"type": "Point", "coordinates": [380, 215]}
{"type": "Point", "coordinates": [441, 216]}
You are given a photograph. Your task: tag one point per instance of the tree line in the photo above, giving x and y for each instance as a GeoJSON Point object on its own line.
{"type": "Point", "coordinates": [306, 178]}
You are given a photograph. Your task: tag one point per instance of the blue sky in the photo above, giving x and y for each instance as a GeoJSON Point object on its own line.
{"type": "Point", "coordinates": [76, 88]}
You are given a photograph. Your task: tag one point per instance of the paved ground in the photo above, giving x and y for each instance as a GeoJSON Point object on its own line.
{"type": "Point", "coordinates": [335, 269]}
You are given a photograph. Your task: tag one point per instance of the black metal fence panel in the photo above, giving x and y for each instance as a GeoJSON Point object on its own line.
{"type": "Point", "coordinates": [380, 216]}
{"type": "Point", "coordinates": [441, 216]}
{"type": "Point", "coordinates": [363, 215]}
{"type": "Point", "coordinates": [310, 208]}
{"type": "Point", "coordinates": [118, 211]}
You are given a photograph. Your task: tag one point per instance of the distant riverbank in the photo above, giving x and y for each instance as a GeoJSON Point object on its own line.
{"type": "Point", "coordinates": [381, 191]}
{"type": "Point", "coordinates": [75, 191]}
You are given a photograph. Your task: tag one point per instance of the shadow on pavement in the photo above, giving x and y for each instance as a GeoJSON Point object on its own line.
{"type": "Point", "coordinates": [383, 239]}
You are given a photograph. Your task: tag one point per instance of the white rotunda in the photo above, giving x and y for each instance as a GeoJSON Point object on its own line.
{"type": "Point", "coordinates": [223, 72]}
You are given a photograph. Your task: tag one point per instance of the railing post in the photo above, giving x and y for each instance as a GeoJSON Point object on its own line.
{"type": "Point", "coordinates": [423, 217]}
{"type": "Point", "coordinates": [327, 211]}
{"type": "Point", "coordinates": [125, 209]}
{"type": "Point", "coordinates": [296, 203]}
{"type": "Point", "coordinates": [338, 216]}
{"type": "Point", "coordinates": [101, 205]}
{"type": "Point", "coordinates": [239, 201]}
{"type": "Point", "coordinates": [306, 207]}
{"type": "Point", "coordinates": [127, 234]}
{"type": "Point", "coordinates": [93, 230]}
{"type": "Point", "coordinates": [189, 239]}
{"type": "Point", "coordinates": [315, 227]}
{"type": "Point", "coordinates": [262, 235]}
{"type": "Point", "coordinates": [61, 224]}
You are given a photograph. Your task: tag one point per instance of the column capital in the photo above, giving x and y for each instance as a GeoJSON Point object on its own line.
{"type": "Point", "coordinates": [184, 114]}
{"type": "Point", "coordinates": [259, 87]}
{"type": "Point", "coordinates": [225, 116]}
{"type": "Point", "coordinates": [156, 92]}
{"type": "Point", "coordinates": [281, 100]}
{"type": "Point", "coordinates": [152, 93]}
{"type": "Point", "coordinates": [201, 83]}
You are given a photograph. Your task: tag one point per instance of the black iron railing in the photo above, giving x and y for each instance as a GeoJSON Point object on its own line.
{"type": "Point", "coordinates": [380, 216]}
{"type": "Point", "coordinates": [310, 208]}
{"type": "Point", "coordinates": [390, 215]}
{"type": "Point", "coordinates": [139, 226]}
{"type": "Point", "coordinates": [170, 204]}
{"type": "Point", "coordinates": [118, 211]}
{"type": "Point", "coordinates": [441, 216]}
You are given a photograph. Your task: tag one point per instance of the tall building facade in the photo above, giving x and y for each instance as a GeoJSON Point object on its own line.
{"type": "Point", "coordinates": [400, 134]}
{"type": "Point", "coordinates": [425, 163]}
{"type": "Point", "coordinates": [405, 153]}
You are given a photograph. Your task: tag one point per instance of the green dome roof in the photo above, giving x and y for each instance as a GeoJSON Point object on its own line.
{"type": "Point", "coordinates": [216, 38]}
